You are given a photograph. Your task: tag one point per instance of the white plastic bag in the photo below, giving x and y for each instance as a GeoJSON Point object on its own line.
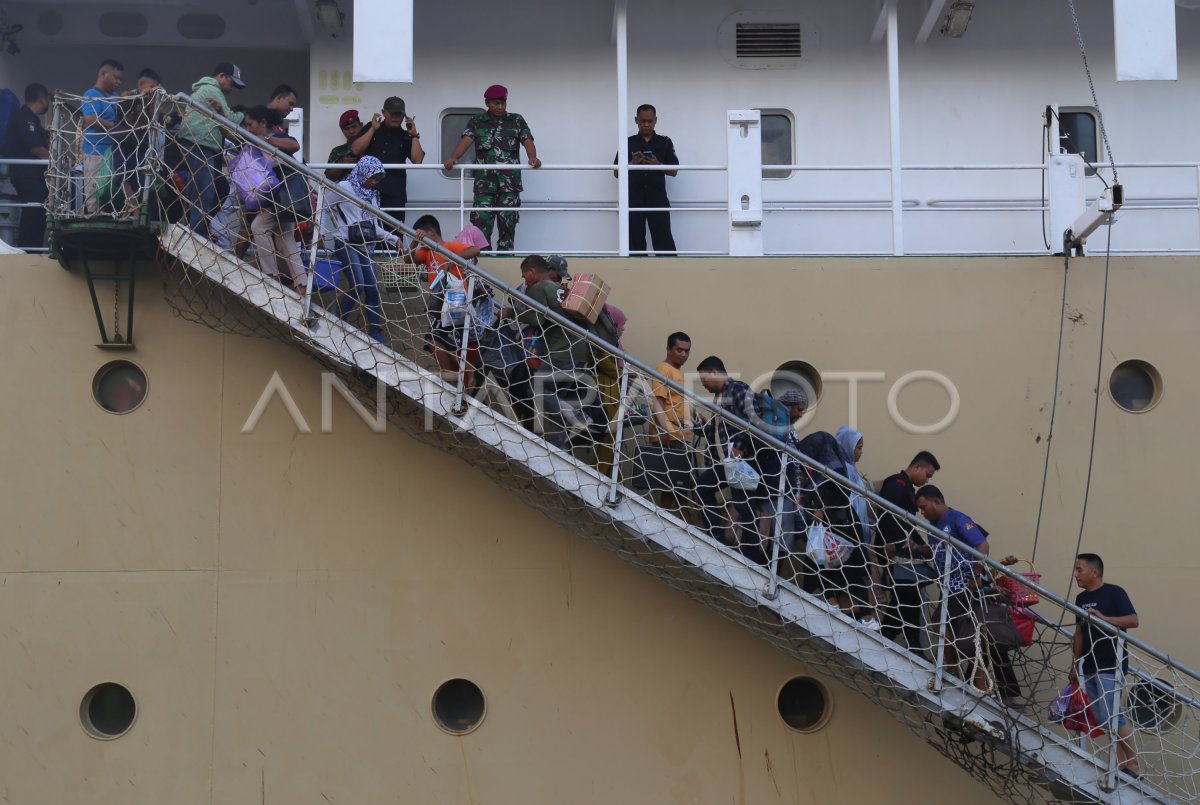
{"type": "Point", "coordinates": [826, 548]}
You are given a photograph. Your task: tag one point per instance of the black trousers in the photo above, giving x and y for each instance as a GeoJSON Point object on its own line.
{"type": "Point", "coordinates": [660, 231]}
{"type": "Point", "coordinates": [31, 233]}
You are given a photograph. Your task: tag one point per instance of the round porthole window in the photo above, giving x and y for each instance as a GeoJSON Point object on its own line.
{"type": "Point", "coordinates": [107, 711]}
{"type": "Point", "coordinates": [458, 706]}
{"type": "Point", "coordinates": [1135, 385]}
{"type": "Point", "coordinates": [797, 375]}
{"type": "Point", "coordinates": [804, 704]}
{"type": "Point", "coordinates": [119, 387]}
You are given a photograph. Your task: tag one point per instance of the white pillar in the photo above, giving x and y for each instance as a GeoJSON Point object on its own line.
{"type": "Point", "coordinates": [744, 181]}
{"type": "Point", "coordinates": [893, 60]}
{"type": "Point", "coordinates": [620, 30]}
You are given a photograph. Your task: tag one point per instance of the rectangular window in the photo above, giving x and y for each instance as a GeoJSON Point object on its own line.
{"type": "Point", "coordinates": [778, 141]}
{"type": "Point", "coordinates": [1080, 133]}
{"type": "Point", "coordinates": [453, 122]}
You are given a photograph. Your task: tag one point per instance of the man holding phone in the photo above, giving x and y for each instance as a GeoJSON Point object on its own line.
{"type": "Point", "coordinates": [392, 138]}
{"type": "Point", "coordinates": [648, 188]}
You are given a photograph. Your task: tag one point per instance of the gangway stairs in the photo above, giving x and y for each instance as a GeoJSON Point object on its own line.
{"type": "Point", "coordinates": [1012, 753]}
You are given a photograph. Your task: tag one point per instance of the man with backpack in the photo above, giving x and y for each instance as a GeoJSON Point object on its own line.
{"type": "Point", "coordinates": [26, 138]}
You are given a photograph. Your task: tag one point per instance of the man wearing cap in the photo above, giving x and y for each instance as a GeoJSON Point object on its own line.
{"type": "Point", "coordinates": [201, 140]}
{"type": "Point", "coordinates": [558, 272]}
{"type": "Point", "coordinates": [498, 136]}
{"type": "Point", "coordinates": [393, 138]}
{"type": "Point", "coordinates": [343, 153]}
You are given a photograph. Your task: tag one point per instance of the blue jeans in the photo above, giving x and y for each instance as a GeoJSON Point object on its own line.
{"type": "Point", "coordinates": [364, 288]}
{"type": "Point", "coordinates": [203, 164]}
{"type": "Point", "coordinates": [1101, 689]}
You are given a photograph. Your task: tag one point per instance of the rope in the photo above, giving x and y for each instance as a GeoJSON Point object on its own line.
{"type": "Point", "coordinates": [1092, 86]}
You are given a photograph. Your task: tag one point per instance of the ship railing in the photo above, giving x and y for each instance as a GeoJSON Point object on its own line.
{"type": "Point", "coordinates": [11, 206]}
{"type": "Point", "coordinates": [767, 531]}
{"type": "Point", "coordinates": [71, 194]}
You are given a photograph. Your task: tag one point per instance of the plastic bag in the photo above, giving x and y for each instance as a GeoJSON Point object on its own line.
{"type": "Point", "coordinates": [740, 475]}
{"type": "Point", "coordinates": [826, 548]}
{"type": "Point", "coordinates": [1072, 709]}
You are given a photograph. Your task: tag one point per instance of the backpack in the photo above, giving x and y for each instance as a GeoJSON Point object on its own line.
{"type": "Point", "coordinates": [253, 177]}
{"type": "Point", "coordinates": [772, 415]}
{"type": "Point", "coordinates": [9, 104]}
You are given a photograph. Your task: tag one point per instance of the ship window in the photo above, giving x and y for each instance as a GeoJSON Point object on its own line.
{"type": "Point", "coordinates": [453, 123]}
{"type": "Point", "coordinates": [1080, 133]}
{"type": "Point", "coordinates": [777, 141]}
{"type": "Point", "coordinates": [107, 711]}
{"type": "Point", "coordinates": [50, 22]}
{"type": "Point", "coordinates": [458, 706]}
{"type": "Point", "coordinates": [797, 375]}
{"type": "Point", "coordinates": [1135, 386]}
{"type": "Point", "coordinates": [804, 704]}
{"type": "Point", "coordinates": [119, 387]}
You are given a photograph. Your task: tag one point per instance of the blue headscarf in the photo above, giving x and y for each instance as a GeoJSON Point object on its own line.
{"type": "Point", "coordinates": [364, 169]}
{"type": "Point", "coordinates": [848, 439]}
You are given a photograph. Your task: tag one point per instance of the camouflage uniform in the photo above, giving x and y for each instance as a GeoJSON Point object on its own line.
{"type": "Point", "coordinates": [497, 142]}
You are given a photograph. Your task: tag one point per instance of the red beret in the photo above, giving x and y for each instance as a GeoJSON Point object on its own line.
{"type": "Point", "coordinates": [349, 116]}
{"type": "Point", "coordinates": [495, 92]}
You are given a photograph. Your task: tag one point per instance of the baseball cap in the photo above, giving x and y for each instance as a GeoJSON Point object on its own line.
{"type": "Point", "coordinates": [559, 264]}
{"type": "Point", "coordinates": [394, 105]}
{"type": "Point", "coordinates": [348, 117]}
{"type": "Point", "coordinates": [233, 71]}
{"type": "Point", "coordinates": [794, 397]}
{"type": "Point", "coordinates": [495, 92]}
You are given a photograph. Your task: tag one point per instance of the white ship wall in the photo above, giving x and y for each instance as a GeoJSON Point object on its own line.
{"type": "Point", "coordinates": [978, 100]}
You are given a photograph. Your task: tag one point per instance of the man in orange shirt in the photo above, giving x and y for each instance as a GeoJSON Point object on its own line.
{"type": "Point", "coordinates": [668, 460]}
{"type": "Point", "coordinates": [442, 279]}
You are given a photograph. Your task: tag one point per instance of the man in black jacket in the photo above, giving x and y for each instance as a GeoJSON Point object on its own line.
{"type": "Point", "coordinates": [27, 139]}
{"type": "Point", "coordinates": [648, 188]}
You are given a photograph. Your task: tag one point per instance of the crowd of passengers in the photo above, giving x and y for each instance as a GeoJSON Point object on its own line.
{"type": "Point", "coordinates": [714, 466]}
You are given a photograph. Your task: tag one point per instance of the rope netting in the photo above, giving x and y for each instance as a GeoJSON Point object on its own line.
{"type": "Point", "coordinates": [719, 497]}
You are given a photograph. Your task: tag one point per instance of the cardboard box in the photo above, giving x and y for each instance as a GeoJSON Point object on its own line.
{"type": "Point", "coordinates": [586, 296]}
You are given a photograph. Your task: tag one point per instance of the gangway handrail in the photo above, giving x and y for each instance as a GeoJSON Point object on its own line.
{"type": "Point", "coordinates": [922, 526]}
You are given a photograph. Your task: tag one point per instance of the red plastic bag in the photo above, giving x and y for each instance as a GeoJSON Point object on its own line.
{"type": "Point", "coordinates": [1072, 709]}
{"type": "Point", "coordinates": [1025, 622]}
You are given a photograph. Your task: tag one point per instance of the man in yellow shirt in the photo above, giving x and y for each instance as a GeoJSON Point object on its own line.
{"type": "Point", "coordinates": [667, 460]}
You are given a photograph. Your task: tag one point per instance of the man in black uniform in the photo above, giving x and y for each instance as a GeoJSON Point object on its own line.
{"type": "Point", "coordinates": [27, 139]}
{"type": "Point", "coordinates": [392, 138]}
{"type": "Point", "coordinates": [906, 551]}
{"type": "Point", "coordinates": [648, 189]}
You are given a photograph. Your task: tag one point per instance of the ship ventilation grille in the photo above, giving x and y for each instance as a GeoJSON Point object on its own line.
{"type": "Point", "coordinates": [767, 40]}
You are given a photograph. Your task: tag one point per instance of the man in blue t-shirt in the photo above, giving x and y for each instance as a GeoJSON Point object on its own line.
{"type": "Point", "coordinates": [956, 570]}
{"type": "Point", "coordinates": [1098, 649]}
{"type": "Point", "coordinates": [99, 110]}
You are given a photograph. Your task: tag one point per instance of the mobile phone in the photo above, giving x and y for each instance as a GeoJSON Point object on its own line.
{"type": "Point", "coordinates": [647, 153]}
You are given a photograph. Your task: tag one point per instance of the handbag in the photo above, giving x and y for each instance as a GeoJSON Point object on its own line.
{"type": "Point", "coordinates": [998, 620]}
{"type": "Point", "coordinates": [825, 548]}
{"type": "Point", "coordinates": [740, 475]}
{"type": "Point", "coordinates": [362, 232]}
{"type": "Point", "coordinates": [293, 196]}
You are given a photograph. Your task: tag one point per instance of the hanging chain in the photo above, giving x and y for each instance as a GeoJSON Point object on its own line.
{"type": "Point", "coordinates": [1091, 85]}
{"type": "Point", "coordinates": [116, 312]}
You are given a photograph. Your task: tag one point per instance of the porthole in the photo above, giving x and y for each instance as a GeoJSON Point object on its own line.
{"type": "Point", "coordinates": [1153, 706]}
{"type": "Point", "coordinates": [804, 704]}
{"type": "Point", "coordinates": [1135, 386]}
{"type": "Point", "coordinates": [123, 24]}
{"type": "Point", "coordinates": [107, 711]}
{"type": "Point", "coordinates": [119, 387]}
{"type": "Point", "coordinates": [458, 706]}
{"type": "Point", "coordinates": [797, 374]}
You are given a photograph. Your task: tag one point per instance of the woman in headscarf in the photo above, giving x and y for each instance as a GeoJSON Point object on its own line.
{"type": "Point", "coordinates": [355, 233]}
{"type": "Point", "coordinates": [856, 571]}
